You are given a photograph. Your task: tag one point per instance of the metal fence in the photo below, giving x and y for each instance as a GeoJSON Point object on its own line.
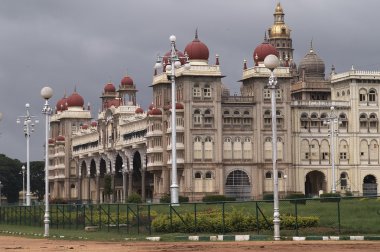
{"type": "Point", "coordinates": [317, 216]}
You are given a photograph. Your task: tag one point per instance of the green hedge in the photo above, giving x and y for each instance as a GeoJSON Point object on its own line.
{"type": "Point", "coordinates": [235, 221]}
{"type": "Point", "coordinates": [217, 198]}
{"type": "Point", "coordinates": [298, 198]}
{"type": "Point", "coordinates": [330, 197]}
{"type": "Point", "coordinates": [166, 199]}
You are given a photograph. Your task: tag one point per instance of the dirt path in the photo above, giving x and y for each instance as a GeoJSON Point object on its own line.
{"type": "Point", "coordinates": [18, 244]}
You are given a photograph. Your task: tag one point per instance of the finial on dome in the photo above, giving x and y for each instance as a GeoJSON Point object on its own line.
{"type": "Point", "coordinates": [196, 33]}
{"type": "Point", "coordinates": [217, 60]}
{"type": "Point", "coordinates": [265, 37]}
{"type": "Point", "coordinates": [245, 64]}
{"type": "Point", "coordinates": [311, 46]}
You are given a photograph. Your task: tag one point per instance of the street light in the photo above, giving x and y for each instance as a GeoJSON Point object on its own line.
{"type": "Point", "coordinates": [285, 187]}
{"type": "Point", "coordinates": [23, 184]}
{"type": "Point", "coordinates": [28, 129]}
{"type": "Point", "coordinates": [332, 120]}
{"type": "Point", "coordinates": [271, 62]}
{"type": "Point", "coordinates": [124, 170]}
{"type": "Point", "coordinates": [174, 61]}
{"type": "Point", "coordinates": [46, 93]}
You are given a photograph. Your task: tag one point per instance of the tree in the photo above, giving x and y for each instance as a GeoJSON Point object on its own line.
{"type": "Point", "coordinates": [37, 179]}
{"type": "Point", "coordinates": [11, 178]}
{"type": "Point", "coordinates": [108, 185]}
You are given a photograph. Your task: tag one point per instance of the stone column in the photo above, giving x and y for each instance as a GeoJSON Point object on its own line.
{"type": "Point", "coordinates": [89, 189]}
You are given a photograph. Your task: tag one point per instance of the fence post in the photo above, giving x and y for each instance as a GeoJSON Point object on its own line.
{"type": "Point", "coordinates": [195, 217]}
{"type": "Point", "coordinates": [138, 218]}
{"type": "Point", "coordinates": [223, 218]}
{"type": "Point", "coordinates": [338, 216]}
{"type": "Point", "coordinates": [108, 217]}
{"type": "Point", "coordinates": [150, 221]}
{"type": "Point", "coordinates": [118, 217]}
{"type": "Point", "coordinates": [257, 219]}
{"type": "Point", "coordinates": [296, 212]}
{"type": "Point", "coordinates": [127, 218]}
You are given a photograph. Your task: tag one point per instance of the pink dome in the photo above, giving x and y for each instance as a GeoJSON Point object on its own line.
{"type": "Point", "coordinates": [51, 141]}
{"type": "Point", "coordinates": [126, 81]}
{"type": "Point", "coordinates": [180, 55]}
{"type": "Point", "coordinates": [94, 124]}
{"type": "Point", "coordinates": [263, 50]}
{"type": "Point", "coordinates": [139, 111]}
{"type": "Point", "coordinates": [109, 88]}
{"type": "Point", "coordinates": [151, 106]}
{"type": "Point", "coordinates": [84, 126]}
{"type": "Point", "coordinates": [75, 100]}
{"type": "Point", "coordinates": [196, 50]}
{"type": "Point", "coordinates": [60, 138]}
{"type": "Point", "coordinates": [61, 104]}
{"type": "Point", "coordinates": [156, 111]}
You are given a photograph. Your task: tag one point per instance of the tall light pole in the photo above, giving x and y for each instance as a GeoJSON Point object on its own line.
{"type": "Point", "coordinates": [28, 129]}
{"type": "Point", "coordinates": [332, 120]}
{"type": "Point", "coordinates": [271, 62]}
{"type": "Point", "coordinates": [46, 93]}
{"type": "Point", "coordinates": [174, 60]}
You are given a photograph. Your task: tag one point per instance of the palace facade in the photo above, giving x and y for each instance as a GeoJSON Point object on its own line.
{"type": "Point", "coordinates": [223, 142]}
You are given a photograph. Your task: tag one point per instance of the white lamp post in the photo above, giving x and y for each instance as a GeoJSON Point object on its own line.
{"type": "Point", "coordinates": [285, 187]}
{"type": "Point", "coordinates": [332, 120]}
{"type": "Point", "coordinates": [271, 62]}
{"type": "Point", "coordinates": [46, 93]}
{"type": "Point", "coordinates": [123, 172]}
{"type": "Point", "coordinates": [28, 129]}
{"type": "Point", "coordinates": [174, 60]}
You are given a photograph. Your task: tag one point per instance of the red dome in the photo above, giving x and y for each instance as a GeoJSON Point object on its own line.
{"type": "Point", "coordinates": [178, 105]}
{"type": "Point", "coordinates": [151, 106]}
{"type": "Point", "coordinates": [196, 50]}
{"type": "Point", "coordinates": [60, 138]}
{"type": "Point", "coordinates": [94, 124]}
{"type": "Point", "coordinates": [61, 104]}
{"type": "Point", "coordinates": [156, 111]}
{"type": "Point", "coordinates": [75, 100]}
{"type": "Point", "coordinates": [139, 111]}
{"type": "Point", "coordinates": [109, 88]}
{"type": "Point", "coordinates": [114, 102]}
{"type": "Point", "coordinates": [263, 50]}
{"type": "Point", "coordinates": [84, 126]}
{"type": "Point", "coordinates": [51, 141]}
{"type": "Point", "coordinates": [126, 81]}
{"type": "Point", "coordinates": [180, 55]}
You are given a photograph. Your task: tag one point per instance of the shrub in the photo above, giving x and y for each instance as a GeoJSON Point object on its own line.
{"type": "Point", "coordinates": [268, 196]}
{"type": "Point", "coordinates": [166, 199]}
{"type": "Point", "coordinates": [298, 198]}
{"type": "Point", "coordinates": [330, 197]}
{"type": "Point", "coordinates": [216, 198]}
{"type": "Point", "coordinates": [134, 198]}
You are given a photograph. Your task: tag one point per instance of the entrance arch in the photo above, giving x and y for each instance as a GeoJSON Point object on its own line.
{"type": "Point", "coordinates": [315, 181]}
{"type": "Point", "coordinates": [369, 185]}
{"type": "Point", "coordinates": [238, 185]}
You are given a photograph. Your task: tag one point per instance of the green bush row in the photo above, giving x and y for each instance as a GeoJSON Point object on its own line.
{"type": "Point", "coordinates": [235, 221]}
{"type": "Point", "coordinates": [217, 198]}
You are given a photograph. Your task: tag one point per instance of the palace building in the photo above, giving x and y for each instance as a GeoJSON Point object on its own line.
{"type": "Point", "coordinates": [223, 141]}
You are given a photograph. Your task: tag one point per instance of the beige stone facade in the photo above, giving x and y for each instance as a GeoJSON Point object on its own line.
{"type": "Point", "coordinates": [224, 142]}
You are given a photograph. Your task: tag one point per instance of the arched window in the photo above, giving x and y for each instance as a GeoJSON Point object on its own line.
{"type": "Point", "coordinates": [208, 118]}
{"type": "Point", "coordinates": [197, 148]}
{"type": "Point", "coordinates": [238, 185]}
{"type": "Point", "coordinates": [343, 150]}
{"type": "Point", "coordinates": [247, 148]}
{"type": "Point", "coordinates": [268, 148]}
{"type": "Point", "coordinates": [208, 175]}
{"type": "Point", "coordinates": [363, 120]}
{"type": "Point", "coordinates": [197, 117]}
{"type": "Point", "coordinates": [237, 148]}
{"type": "Point", "coordinates": [343, 180]}
{"type": "Point", "coordinates": [304, 120]}
{"type": "Point", "coordinates": [372, 95]}
{"type": "Point", "coordinates": [268, 175]}
{"type": "Point", "coordinates": [267, 118]}
{"type": "Point", "coordinates": [364, 151]}
{"type": "Point", "coordinates": [343, 120]}
{"type": "Point", "coordinates": [227, 148]}
{"type": "Point", "coordinates": [374, 151]}
{"type": "Point", "coordinates": [280, 149]}
{"type": "Point", "coordinates": [198, 175]}
{"type": "Point", "coordinates": [373, 121]}
{"type": "Point", "coordinates": [208, 148]}
{"type": "Point", "coordinates": [362, 95]}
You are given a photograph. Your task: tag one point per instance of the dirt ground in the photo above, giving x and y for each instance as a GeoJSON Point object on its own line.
{"type": "Point", "coordinates": [9, 243]}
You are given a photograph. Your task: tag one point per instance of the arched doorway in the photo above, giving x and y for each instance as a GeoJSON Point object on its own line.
{"type": "Point", "coordinates": [118, 181]}
{"type": "Point", "coordinates": [369, 185]}
{"type": "Point", "coordinates": [136, 173]}
{"type": "Point", "coordinates": [315, 181]}
{"type": "Point", "coordinates": [238, 185]}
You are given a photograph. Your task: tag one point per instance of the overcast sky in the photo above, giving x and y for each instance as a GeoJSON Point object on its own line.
{"type": "Point", "coordinates": [87, 43]}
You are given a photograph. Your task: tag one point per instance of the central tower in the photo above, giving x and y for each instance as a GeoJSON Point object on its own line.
{"type": "Point", "coordinates": [279, 35]}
